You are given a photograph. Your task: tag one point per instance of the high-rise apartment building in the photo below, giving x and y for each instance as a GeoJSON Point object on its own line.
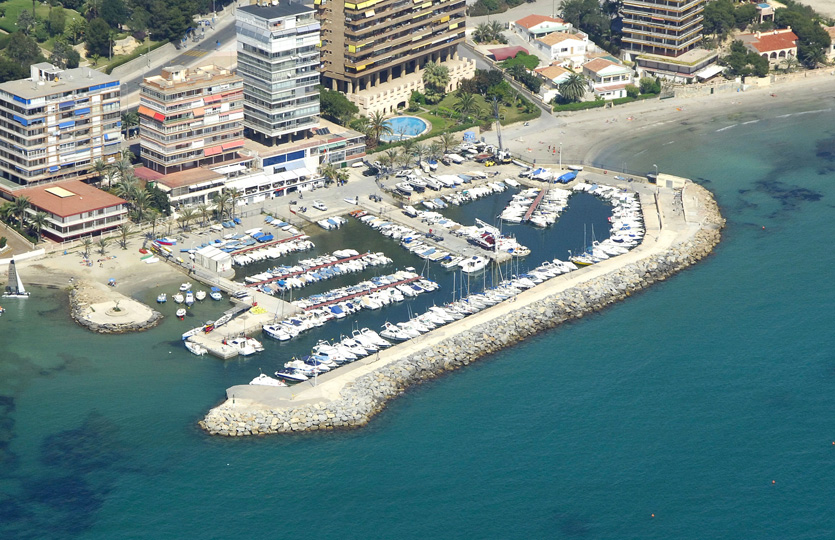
{"type": "Point", "coordinates": [278, 58]}
{"type": "Point", "coordinates": [189, 118]}
{"type": "Point", "coordinates": [662, 27]}
{"type": "Point", "coordinates": [56, 124]}
{"type": "Point", "coordinates": [366, 45]}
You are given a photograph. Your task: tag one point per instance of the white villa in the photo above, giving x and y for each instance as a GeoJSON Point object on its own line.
{"type": "Point", "coordinates": [565, 48]}
{"type": "Point", "coordinates": [607, 79]}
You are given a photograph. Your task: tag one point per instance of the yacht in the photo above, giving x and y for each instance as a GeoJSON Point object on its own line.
{"type": "Point", "coordinates": [195, 348]}
{"type": "Point", "coordinates": [200, 295]}
{"type": "Point", "coordinates": [162, 298]}
{"type": "Point", "coordinates": [185, 286]}
{"type": "Point", "coordinates": [277, 331]}
{"type": "Point", "coordinates": [291, 374]}
{"type": "Point", "coordinates": [178, 298]}
{"type": "Point", "coordinates": [266, 380]}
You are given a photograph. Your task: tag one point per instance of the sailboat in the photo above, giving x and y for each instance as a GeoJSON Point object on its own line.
{"type": "Point", "coordinates": [15, 287]}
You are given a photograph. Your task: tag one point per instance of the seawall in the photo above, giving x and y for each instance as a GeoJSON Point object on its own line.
{"type": "Point", "coordinates": [673, 242]}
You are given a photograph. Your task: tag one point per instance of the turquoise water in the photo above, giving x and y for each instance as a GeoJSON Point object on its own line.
{"type": "Point", "coordinates": [686, 401]}
{"type": "Point", "coordinates": [404, 127]}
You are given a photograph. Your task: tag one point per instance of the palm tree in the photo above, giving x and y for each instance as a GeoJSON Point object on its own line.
{"type": "Point", "coordinates": [434, 150]}
{"type": "Point", "coordinates": [187, 215]}
{"type": "Point", "coordinates": [21, 204]}
{"type": "Point", "coordinates": [103, 242]}
{"type": "Point", "coordinates": [435, 77]}
{"type": "Point", "coordinates": [87, 242]}
{"type": "Point", "coordinates": [328, 172]}
{"type": "Point", "coordinates": [362, 125]}
{"type": "Point", "coordinates": [129, 121]}
{"type": "Point", "coordinates": [153, 216]}
{"type": "Point", "coordinates": [124, 230]}
{"type": "Point", "coordinates": [203, 210]}
{"type": "Point", "coordinates": [385, 162]}
{"type": "Point", "coordinates": [141, 202]}
{"type": "Point", "coordinates": [7, 211]}
{"type": "Point", "coordinates": [574, 87]}
{"type": "Point", "coordinates": [408, 152]}
{"type": "Point", "coordinates": [99, 167]}
{"type": "Point", "coordinates": [420, 151]}
{"type": "Point", "coordinates": [222, 201]}
{"type": "Point", "coordinates": [378, 126]}
{"type": "Point", "coordinates": [124, 168]}
{"type": "Point", "coordinates": [39, 221]}
{"type": "Point", "coordinates": [234, 195]}
{"type": "Point", "coordinates": [466, 105]}
{"type": "Point", "coordinates": [393, 155]}
{"type": "Point", "coordinates": [447, 141]}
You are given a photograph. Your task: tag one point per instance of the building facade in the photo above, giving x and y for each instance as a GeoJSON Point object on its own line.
{"type": "Point", "coordinates": [278, 58]}
{"type": "Point", "coordinates": [565, 47]}
{"type": "Point", "coordinates": [189, 118]}
{"type": "Point", "coordinates": [74, 209]}
{"type": "Point", "coordinates": [607, 79]}
{"type": "Point", "coordinates": [662, 27]}
{"type": "Point", "coordinates": [371, 48]}
{"type": "Point", "coordinates": [57, 123]}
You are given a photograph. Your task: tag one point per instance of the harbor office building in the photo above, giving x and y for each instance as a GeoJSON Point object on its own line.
{"type": "Point", "coordinates": [190, 117]}
{"type": "Point", "coordinates": [57, 123]}
{"type": "Point", "coordinates": [73, 209]}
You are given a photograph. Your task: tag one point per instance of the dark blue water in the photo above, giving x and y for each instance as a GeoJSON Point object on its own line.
{"type": "Point", "coordinates": [706, 401]}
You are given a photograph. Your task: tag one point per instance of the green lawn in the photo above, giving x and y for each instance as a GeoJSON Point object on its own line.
{"type": "Point", "coordinates": [14, 7]}
{"type": "Point", "coordinates": [507, 115]}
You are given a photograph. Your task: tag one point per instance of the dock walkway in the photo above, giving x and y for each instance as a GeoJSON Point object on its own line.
{"type": "Point", "coordinates": [311, 269]}
{"type": "Point", "coordinates": [535, 204]}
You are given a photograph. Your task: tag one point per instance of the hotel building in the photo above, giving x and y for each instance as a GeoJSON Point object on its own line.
{"type": "Point", "coordinates": [57, 123]}
{"type": "Point", "coordinates": [373, 51]}
{"type": "Point", "coordinates": [278, 58]}
{"type": "Point", "coordinates": [189, 118]}
{"type": "Point", "coordinates": [663, 27]}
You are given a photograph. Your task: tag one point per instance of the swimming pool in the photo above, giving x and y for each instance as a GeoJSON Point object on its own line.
{"type": "Point", "coordinates": [405, 127]}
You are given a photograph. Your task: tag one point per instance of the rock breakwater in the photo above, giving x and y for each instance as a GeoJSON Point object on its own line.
{"type": "Point", "coordinates": [109, 312]}
{"type": "Point", "coordinates": [360, 399]}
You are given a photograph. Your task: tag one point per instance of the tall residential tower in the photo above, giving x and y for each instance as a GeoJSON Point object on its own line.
{"type": "Point", "coordinates": [278, 58]}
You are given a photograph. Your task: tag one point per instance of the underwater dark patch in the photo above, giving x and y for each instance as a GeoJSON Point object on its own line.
{"type": "Point", "coordinates": [572, 525]}
{"type": "Point", "coordinates": [789, 196]}
{"type": "Point", "coordinates": [92, 446]}
{"type": "Point", "coordinates": [72, 498]}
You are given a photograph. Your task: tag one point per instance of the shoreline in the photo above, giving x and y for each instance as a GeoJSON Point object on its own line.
{"type": "Point", "coordinates": [350, 399]}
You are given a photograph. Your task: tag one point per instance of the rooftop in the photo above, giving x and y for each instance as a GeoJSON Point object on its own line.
{"type": "Point", "coordinates": [775, 40]}
{"type": "Point", "coordinates": [327, 132]}
{"type": "Point", "coordinates": [552, 72]}
{"type": "Point", "coordinates": [178, 77]}
{"type": "Point", "coordinates": [60, 81]}
{"type": "Point", "coordinates": [189, 177]}
{"type": "Point", "coordinates": [283, 9]}
{"type": "Point", "coordinates": [557, 37]}
{"type": "Point", "coordinates": [532, 20]}
{"type": "Point", "coordinates": [599, 64]}
{"type": "Point", "coordinates": [69, 198]}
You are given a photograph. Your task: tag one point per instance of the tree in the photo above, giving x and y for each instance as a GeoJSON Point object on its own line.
{"type": "Point", "coordinates": [124, 230]}
{"type": "Point", "coordinates": [234, 195]}
{"type": "Point", "coordinates": [336, 107]}
{"type": "Point", "coordinates": [466, 105]}
{"type": "Point", "coordinates": [392, 156]}
{"type": "Point", "coordinates": [362, 125]}
{"type": "Point", "coordinates": [12, 71]}
{"type": "Point", "coordinates": [649, 85]}
{"type": "Point", "coordinates": [87, 242]}
{"type": "Point", "coordinates": [24, 50]}
{"type": "Point", "coordinates": [222, 201]}
{"type": "Point", "coordinates": [103, 243]}
{"type": "Point", "coordinates": [130, 120]}
{"type": "Point", "coordinates": [56, 21]}
{"type": "Point", "coordinates": [743, 62]}
{"type": "Point", "coordinates": [434, 150]}
{"type": "Point", "coordinates": [574, 88]}
{"type": "Point", "coordinates": [378, 126]}
{"type": "Point", "coordinates": [63, 55]}
{"type": "Point", "coordinates": [328, 172]}
{"type": "Point", "coordinates": [719, 17]}
{"type": "Point", "coordinates": [91, 9]}
{"type": "Point", "coordinates": [76, 29]}
{"type": "Point", "coordinates": [588, 16]}
{"type": "Point", "coordinates": [745, 15]}
{"type": "Point", "coordinates": [39, 221]}
{"type": "Point", "coordinates": [632, 91]}
{"type": "Point", "coordinates": [528, 61]}
{"type": "Point", "coordinates": [26, 21]}
{"type": "Point", "coordinates": [21, 204]}
{"type": "Point", "coordinates": [447, 142]}
{"type": "Point", "coordinates": [203, 210]}
{"type": "Point", "coordinates": [187, 216]}
{"type": "Point", "coordinates": [114, 12]}
{"type": "Point", "coordinates": [435, 81]}
{"type": "Point", "coordinates": [97, 38]}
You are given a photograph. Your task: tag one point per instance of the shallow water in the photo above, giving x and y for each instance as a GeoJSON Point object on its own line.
{"type": "Point", "coordinates": [686, 401]}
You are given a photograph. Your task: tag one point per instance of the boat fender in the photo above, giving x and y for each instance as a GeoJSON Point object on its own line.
{"type": "Point", "coordinates": [605, 172]}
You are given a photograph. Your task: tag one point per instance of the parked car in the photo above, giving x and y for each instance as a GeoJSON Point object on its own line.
{"type": "Point", "coordinates": [319, 205]}
{"type": "Point", "coordinates": [371, 171]}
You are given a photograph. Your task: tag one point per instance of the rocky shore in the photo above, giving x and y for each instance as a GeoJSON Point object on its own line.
{"type": "Point", "coordinates": [359, 400]}
{"type": "Point", "coordinates": [108, 311]}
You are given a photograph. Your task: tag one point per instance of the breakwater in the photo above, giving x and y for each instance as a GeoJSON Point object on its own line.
{"type": "Point", "coordinates": [109, 312]}
{"type": "Point", "coordinates": [679, 240]}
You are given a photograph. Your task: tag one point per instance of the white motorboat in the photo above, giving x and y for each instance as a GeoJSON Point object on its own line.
{"type": "Point", "coordinates": [266, 380]}
{"type": "Point", "coordinates": [178, 298]}
{"type": "Point", "coordinates": [242, 345]}
{"type": "Point", "coordinates": [162, 298]}
{"type": "Point", "coordinates": [474, 264]}
{"type": "Point", "coordinates": [277, 331]}
{"type": "Point", "coordinates": [215, 294]}
{"type": "Point", "coordinates": [185, 286]}
{"type": "Point", "coordinates": [374, 337]}
{"type": "Point", "coordinates": [15, 288]}
{"type": "Point", "coordinates": [291, 374]}
{"type": "Point", "coordinates": [195, 348]}
{"type": "Point", "coordinates": [181, 313]}
{"type": "Point", "coordinates": [189, 298]}
{"type": "Point", "coordinates": [200, 295]}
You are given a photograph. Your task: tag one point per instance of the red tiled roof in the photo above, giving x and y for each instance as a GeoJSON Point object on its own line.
{"type": "Point", "coordinates": [83, 198]}
{"type": "Point", "coordinates": [775, 41]}
{"type": "Point", "coordinates": [144, 173]}
{"type": "Point", "coordinates": [557, 37]}
{"type": "Point", "coordinates": [551, 72]}
{"type": "Point", "coordinates": [598, 64]}
{"type": "Point", "coordinates": [532, 20]}
{"type": "Point", "coordinates": [503, 53]}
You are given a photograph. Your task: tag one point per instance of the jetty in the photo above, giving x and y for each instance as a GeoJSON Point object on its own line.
{"type": "Point", "coordinates": [535, 204]}
{"type": "Point", "coordinates": [271, 243]}
{"type": "Point", "coordinates": [311, 269]}
{"type": "Point", "coordinates": [363, 293]}
{"type": "Point", "coordinates": [676, 237]}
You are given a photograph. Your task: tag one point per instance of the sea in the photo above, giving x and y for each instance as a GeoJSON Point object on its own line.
{"type": "Point", "coordinates": [702, 407]}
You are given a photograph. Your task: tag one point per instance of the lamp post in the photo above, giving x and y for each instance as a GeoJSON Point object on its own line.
{"type": "Point", "coordinates": [656, 170]}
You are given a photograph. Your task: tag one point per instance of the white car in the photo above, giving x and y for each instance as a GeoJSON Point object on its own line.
{"type": "Point", "coordinates": [319, 205]}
